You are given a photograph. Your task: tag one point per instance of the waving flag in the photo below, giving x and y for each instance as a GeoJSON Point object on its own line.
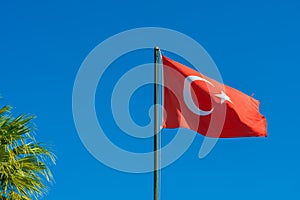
{"type": "Point", "coordinates": [193, 101]}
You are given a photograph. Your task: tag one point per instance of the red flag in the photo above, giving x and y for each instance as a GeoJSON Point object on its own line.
{"type": "Point", "coordinates": [199, 103]}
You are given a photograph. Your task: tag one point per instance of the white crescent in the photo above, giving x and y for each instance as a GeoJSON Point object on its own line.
{"type": "Point", "coordinates": [188, 96]}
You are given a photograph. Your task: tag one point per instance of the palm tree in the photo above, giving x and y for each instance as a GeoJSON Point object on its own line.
{"type": "Point", "coordinates": [23, 161]}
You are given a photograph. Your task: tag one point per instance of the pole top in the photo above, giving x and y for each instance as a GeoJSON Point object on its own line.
{"type": "Point", "coordinates": [156, 48]}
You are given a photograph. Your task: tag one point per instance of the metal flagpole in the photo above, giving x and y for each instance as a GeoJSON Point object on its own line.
{"type": "Point", "coordinates": [156, 123]}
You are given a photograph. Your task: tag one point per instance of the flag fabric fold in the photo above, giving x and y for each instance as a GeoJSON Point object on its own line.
{"type": "Point", "coordinates": [202, 104]}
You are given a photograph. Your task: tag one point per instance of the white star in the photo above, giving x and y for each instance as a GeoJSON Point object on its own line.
{"type": "Point", "coordinates": [223, 97]}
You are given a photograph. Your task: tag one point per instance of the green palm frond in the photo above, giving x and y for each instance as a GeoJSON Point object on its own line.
{"type": "Point", "coordinates": [23, 169]}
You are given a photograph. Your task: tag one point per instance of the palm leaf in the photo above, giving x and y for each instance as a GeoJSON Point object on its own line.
{"type": "Point", "coordinates": [23, 161]}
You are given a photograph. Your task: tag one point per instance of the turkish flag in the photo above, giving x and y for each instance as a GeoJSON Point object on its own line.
{"type": "Point", "coordinates": [199, 103]}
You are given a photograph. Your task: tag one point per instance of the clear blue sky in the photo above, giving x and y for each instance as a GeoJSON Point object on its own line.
{"type": "Point", "coordinates": [255, 45]}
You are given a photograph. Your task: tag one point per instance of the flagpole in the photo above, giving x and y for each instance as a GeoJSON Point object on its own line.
{"type": "Point", "coordinates": [156, 125]}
